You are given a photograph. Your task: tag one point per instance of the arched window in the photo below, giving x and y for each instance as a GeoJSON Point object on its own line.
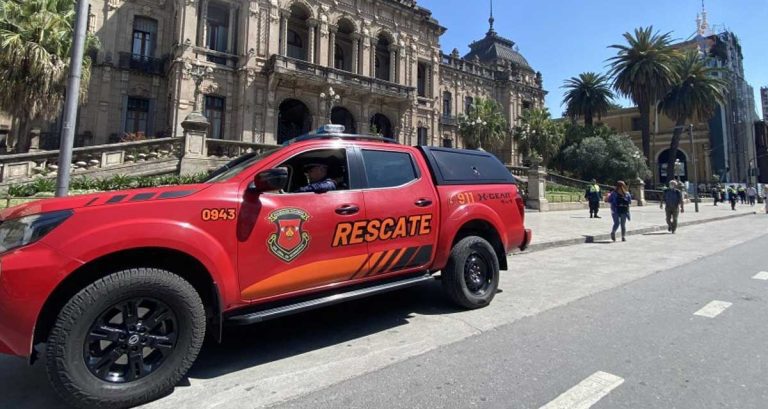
{"type": "Point", "coordinates": [468, 102]}
{"type": "Point", "coordinates": [294, 39]}
{"type": "Point", "coordinates": [293, 119]}
{"type": "Point", "coordinates": [338, 58]}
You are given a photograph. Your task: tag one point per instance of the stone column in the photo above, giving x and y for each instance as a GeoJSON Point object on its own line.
{"type": "Point", "coordinates": [355, 53]}
{"type": "Point", "coordinates": [637, 190]}
{"type": "Point", "coordinates": [537, 187]}
{"type": "Point", "coordinates": [312, 28]}
{"type": "Point", "coordinates": [195, 156]}
{"type": "Point", "coordinates": [392, 63]}
{"type": "Point", "coordinates": [284, 32]}
{"type": "Point", "coordinates": [332, 45]}
{"type": "Point", "coordinates": [34, 140]}
{"type": "Point", "coordinates": [232, 29]}
{"type": "Point", "coordinates": [373, 57]}
{"type": "Point", "coordinates": [202, 24]}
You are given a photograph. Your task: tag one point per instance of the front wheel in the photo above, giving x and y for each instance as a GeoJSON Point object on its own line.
{"type": "Point", "coordinates": [471, 277]}
{"type": "Point", "coordinates": [126, 339]}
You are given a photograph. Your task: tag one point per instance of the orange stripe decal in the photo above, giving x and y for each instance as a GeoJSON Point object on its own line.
{"type": "Point", "coordinates": [306, 276]}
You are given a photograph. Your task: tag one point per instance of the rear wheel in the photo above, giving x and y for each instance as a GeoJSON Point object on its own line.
{"type": "Point", "coordinates": [471, 277]}
{"type": "Point", "coordinates": [126, 339]}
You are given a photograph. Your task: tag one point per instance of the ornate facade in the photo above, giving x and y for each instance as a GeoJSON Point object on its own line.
{"type": "Point", "coordinates": [272, 63]}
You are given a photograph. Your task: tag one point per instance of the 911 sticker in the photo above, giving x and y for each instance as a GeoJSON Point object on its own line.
{"type": "Point", "coordinates": [216, 215]}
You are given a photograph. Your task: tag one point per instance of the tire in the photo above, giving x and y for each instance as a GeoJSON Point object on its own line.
{"type": "Point", "coordinates": [471, 277]}
{"type": "Point", "coordinates": [126, 339]}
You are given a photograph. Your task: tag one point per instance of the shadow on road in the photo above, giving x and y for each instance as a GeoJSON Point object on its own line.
{"type": "Point", "coordinates": [254, 345]}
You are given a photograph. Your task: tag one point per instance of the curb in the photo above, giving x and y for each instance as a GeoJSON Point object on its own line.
{"type": "Point", "coordinates": [607, 236]}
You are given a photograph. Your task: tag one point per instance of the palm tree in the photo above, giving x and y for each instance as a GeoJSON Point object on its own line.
{"type": "Point", "coordinates": [642, 71]}
{"type": "Point", "coordinates": [484, 127]}
{"type": "Point", "coordinates": [538, 136]}
{"type": "Point", "coordinates": [588, 95]}
{"type": "Point", "coordinates": [696, 94]}
{"type": "Point", "coordinates": [35, 43]}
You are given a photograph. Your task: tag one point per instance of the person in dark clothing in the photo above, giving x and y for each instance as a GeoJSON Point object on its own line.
{"type": "Point", "coordinates": [620, 200]}
{"type": "Point", "coordinates": [742, 194]}
{"type": "Point", "coordinates": [317, 175]}
{"type": "Point", "coordinates": [716, 194]}
{"type": "Point", "coordinates": [593, 196]}
{"type": "Point", "coordinates": [673, 205]}
{"type": "Point", "coordinates": [732, 195]}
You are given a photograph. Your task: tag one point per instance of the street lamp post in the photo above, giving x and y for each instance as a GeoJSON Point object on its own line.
{"type": "Point", "coordinates": [330, 98]}
{"type": "Point", "coordinates": [695, 171]}
{"type": "Point", "coordinates": [73, 96]}
{"type": "Point", "coordinates": [198, 74]}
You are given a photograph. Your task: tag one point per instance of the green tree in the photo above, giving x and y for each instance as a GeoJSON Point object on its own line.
{"type": "Point", "coordinates": [484, 127]}
{"type": "Point", "coordinates": [574, 134]}
{"type": "Point", "coordinates": [587, 96]}
{"type": "Point", "coordinates": [35, 46]}
{"type": "Point", "coordinates": [608, 158]}
{"type": "Point", "coordinates": [537, 135]}
{"type": "Point", "coordinates": [696, 93]}
{"type": "Point", "coordinates": [642, 70]}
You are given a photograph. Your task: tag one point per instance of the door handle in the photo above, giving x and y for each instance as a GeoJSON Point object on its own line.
{"type": "Point", "coordinates": [423, 202]}
{"type": "Point", "coordinates": [347, 210]}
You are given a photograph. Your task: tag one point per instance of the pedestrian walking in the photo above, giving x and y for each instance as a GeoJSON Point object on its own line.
{"type": "Point", "coordinates": [673, 204]}
{"type": "Point", "coordinates": [732, 196]}
{"type": "Point", "coordinates": [716, 194]}
{"type": "Point", "coordinates": [742, 192]}
{"type": "Point", "coordinates": [620, 200]}
{"type": "Point", "coordinates": [593, 196]}
{"type": "Point", "coordinates": [752, 195]}
{"type": "Point", "coordinates": [765, 197]}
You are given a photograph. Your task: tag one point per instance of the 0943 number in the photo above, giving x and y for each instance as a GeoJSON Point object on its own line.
{"type": "Point", "coordinates": [215, 215]}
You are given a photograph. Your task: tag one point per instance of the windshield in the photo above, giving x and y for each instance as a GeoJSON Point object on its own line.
{"type": "Point", "coordinates": [238, 165]}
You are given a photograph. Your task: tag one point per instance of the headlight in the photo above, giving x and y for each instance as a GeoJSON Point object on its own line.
{"type": "Point", "coordinates": [26, 230]}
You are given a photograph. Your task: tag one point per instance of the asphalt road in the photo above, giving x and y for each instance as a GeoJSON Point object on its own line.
{"type": "Point", "coordinates": [618, 315]}
{"type": "Point", "coordinates": [645, 333]}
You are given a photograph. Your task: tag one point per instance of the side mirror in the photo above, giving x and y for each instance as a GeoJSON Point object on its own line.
{"type": "Point", "coordinates": [269, 180]}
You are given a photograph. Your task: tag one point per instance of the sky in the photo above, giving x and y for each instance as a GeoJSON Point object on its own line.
{"type": "Point", "coordinates": [563, 38]}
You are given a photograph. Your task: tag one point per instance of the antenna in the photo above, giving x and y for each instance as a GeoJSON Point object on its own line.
{"type": "Point", "coordinates": [491, 20]}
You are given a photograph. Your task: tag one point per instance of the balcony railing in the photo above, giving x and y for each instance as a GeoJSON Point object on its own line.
{"type": "Point", "coordinates": [282, 65]}
{"type": "Point", "coordinates": [142, 64]}
{"type": "Point", "coordinates": [448, 120]}
{"type": "Point", "coordinates": [226, 149]}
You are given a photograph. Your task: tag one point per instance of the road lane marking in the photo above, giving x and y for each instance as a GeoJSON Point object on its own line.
{"type": "Point", "coordinates": [713, 309]}
{"type": "Point", "coordinates": [763, 275]}
{"type": "Point", "coordinates": [587, 392]}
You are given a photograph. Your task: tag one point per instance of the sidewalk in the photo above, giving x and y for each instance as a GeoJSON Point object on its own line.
{"type": "Point", "coordinates": [569, 227]}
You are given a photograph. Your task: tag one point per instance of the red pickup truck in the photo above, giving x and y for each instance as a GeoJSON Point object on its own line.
{"type": "Point", "coordinates": [123, 286]}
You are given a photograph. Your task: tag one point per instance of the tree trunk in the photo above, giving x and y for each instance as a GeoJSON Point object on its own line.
{"type": "Point", "coordinates": [673, 145]}
{"type": "Point", "coordinates": [588, 120]}
{"type": "Point", "coordinates": [645, 124]}
{"type": "Point", "coordinates": [23, 140]}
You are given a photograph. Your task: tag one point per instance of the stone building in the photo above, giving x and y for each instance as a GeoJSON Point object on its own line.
{"type": "Point", "coordinates": [273, 62]}
{"type": "Point", "coordinates": [727, 139]}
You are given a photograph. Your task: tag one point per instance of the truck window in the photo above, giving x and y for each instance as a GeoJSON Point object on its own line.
{"type": "Point", "coordinates": [300, 168]}
{"type": "Point", "coordinates": [388, 169]}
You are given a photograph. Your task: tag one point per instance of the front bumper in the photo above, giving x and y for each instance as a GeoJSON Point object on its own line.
{"type": "Point", "coordinates": [28, 276]}
{"type": "Point", "coordinates": [527, 237]}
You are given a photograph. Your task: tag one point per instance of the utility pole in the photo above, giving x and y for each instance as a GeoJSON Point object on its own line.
{"type": "Point", "coordinates": [73, 98]}
{"type": "Point", "coordinates": [695, 171]}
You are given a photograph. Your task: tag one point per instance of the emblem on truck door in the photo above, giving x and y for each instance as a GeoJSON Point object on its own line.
{"type": "Point", "coordinates": [289, 240]}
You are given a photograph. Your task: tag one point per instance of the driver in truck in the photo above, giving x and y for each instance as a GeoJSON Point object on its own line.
{"type": "Point", "coordinates": [317, 174]}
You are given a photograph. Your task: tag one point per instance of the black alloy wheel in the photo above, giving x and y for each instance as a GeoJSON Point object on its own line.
{"type": "Point", "coordinates": [477, 274]}
{"type": "Point", "coordinates": [471, 277]}
{"type": "Point", "coordinates": [126, 339]}
{"type": "Point", "coordinates": [130, 340]}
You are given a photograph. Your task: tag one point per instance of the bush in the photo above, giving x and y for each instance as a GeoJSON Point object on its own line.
{"type": "Point", "coordinates": [116, 182]}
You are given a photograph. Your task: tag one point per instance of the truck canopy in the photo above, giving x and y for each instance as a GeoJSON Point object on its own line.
{"type": "Point", "coordinates": [465, 167]}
